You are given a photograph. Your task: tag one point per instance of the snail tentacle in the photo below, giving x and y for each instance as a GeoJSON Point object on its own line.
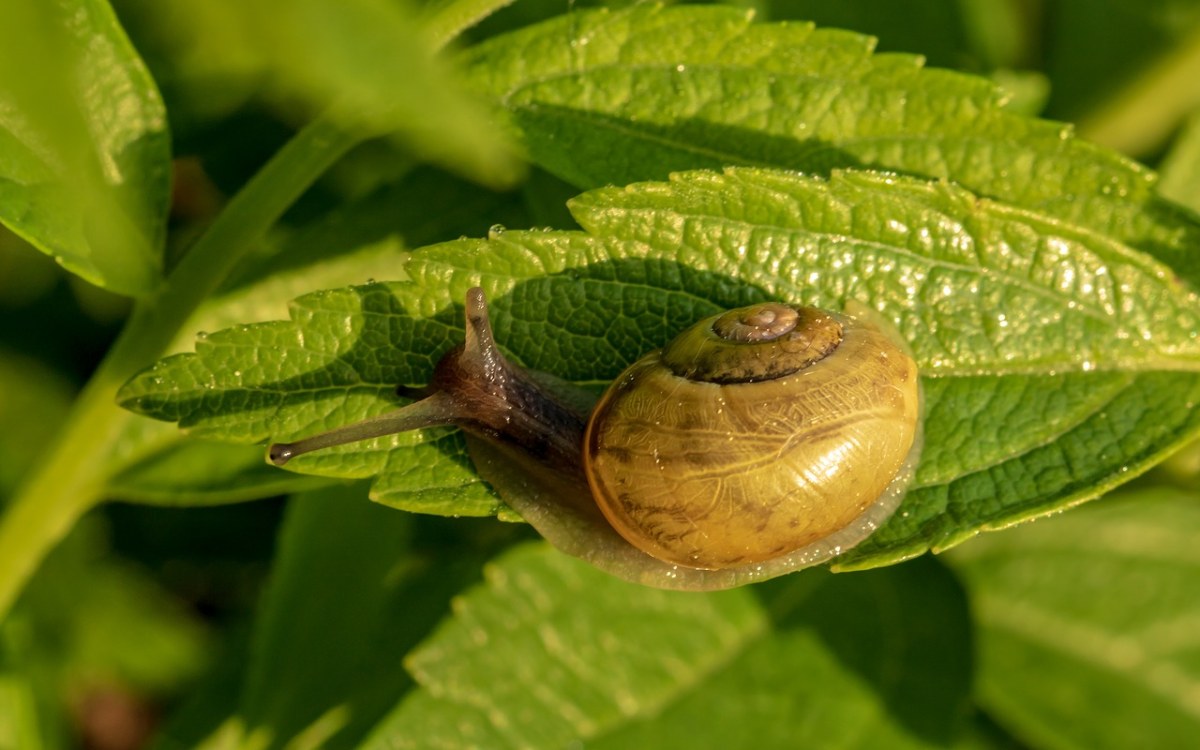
{"type": "Point", "coordinates": [430, 411]}
{"type": "Point", "coordinates": [436, 405]}
{"type": "Point", "coordinates": [476, 388]}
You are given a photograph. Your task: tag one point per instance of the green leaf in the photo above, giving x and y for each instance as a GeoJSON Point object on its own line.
{"type": "Point", "coordinates": [550, 652]}
{"type": "Point", "coordinates": [360, 240]}
{"type": "Point", "coordinates": [199, 472]}
{"type": "Point", "coordinates": [370, 65]}
{"type": "Point", "coordinates": [1097, 608]}
{"type": "Point", "coordinates": [859, 690]}
{"type": "Point", "coordinates": [84, 152]}
{"type": "Point", "coordinates": [346, 657]}
{"type": "Point", "coordinates": [1074, 350]}
{"type": "Point", "coordinates": [334, 626]}
{"type": "Point", "coordinates": [886, 653]}
{"type": "Point", "coordinates": [1111, 428]}
{"type": "Point", "coordinates": [88, 625]}
{"type": "Point", "coordinates": [161, 465]}
{"type": "Point", "coordinates": [1028, 90]}
{"type": "Point", "coordinates": [1181, 167]}
{"type": "Point", "coordinates": [611, 98]}
{"type": "Point", "coordinates": [952, 268]}
{"type": "Point", "coordinates": [99, 620]}
{"type": "Point", "coordinates": [370, 59]}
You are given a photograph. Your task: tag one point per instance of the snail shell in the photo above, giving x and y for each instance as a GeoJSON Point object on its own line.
{"type": "Point", "coordinates": [761, 440]}
{"type": "Point", "coordinates": [753, 435]}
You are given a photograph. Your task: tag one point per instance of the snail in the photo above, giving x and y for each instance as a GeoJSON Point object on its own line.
{"type": "Point", "coordinates": [759, 441]}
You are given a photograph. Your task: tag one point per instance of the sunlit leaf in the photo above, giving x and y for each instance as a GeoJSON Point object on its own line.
{"type": "Point", "coordinates": [605, 98]}
{"type": "Point", "coordinates": [84, 151]}
{"type": "Point", "coordinates": [1074, 349]}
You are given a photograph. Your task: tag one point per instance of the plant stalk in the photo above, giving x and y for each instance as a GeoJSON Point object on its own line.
{"type": "Point", "coordinates": [72, 477]}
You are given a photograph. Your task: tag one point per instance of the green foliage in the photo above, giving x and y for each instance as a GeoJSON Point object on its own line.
{"type": "Point", "coordinates": [361, 614]}
{"type": "Point", "coordinates": [1061, 328]}
{"type": "Point", "coordinates": [88, 623]}
{"type": "Point", "coordinates": [680, 160]}
{"type": "Point", "coordinates": [663, 663]}
{"type": "Point", "coordinates": [83, 174]}
{"type": "Point", "coordinates": [1097, 608]}
{"type": "Point", "coordinates": [364, 59]}
{"type": "Point", "coordinates": [616, 99]}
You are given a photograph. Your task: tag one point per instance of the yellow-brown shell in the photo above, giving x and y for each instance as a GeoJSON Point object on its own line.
{"type": "Point", "coordinates": [776, 443]}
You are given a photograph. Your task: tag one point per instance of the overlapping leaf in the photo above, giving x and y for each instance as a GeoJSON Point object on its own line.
{"type": "Point", "coordinates": [611, 98]}
{"type": "Point", "coordinates": [360, 240]}
{"type": "Point", "coordinates": [1073, 350]}
{"type": "Point", "coordinates": [549, 650]}
{"type": "Point", "coordinates": [1097, 608]}
{"type": "Point", "coordinates": [550, 653]}
{"type": "Point", "coordinates": [370, 65]}
{"type": "Point", "coordinates": [84, 152]}
{"type": "Point", "coordinates": [336, 624]}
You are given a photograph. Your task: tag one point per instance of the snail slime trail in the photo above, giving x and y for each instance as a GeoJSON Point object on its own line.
{"type": "Point", "coordinates": [759, 441]}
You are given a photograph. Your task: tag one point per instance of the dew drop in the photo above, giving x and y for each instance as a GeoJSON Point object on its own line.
{"type": "Point", "coordinates": [495, 231]}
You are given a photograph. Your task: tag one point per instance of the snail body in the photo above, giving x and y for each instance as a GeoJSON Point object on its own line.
{"type": "Point", "coordinates": [762, 440]}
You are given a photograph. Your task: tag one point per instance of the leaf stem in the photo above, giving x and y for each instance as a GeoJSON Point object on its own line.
{"type": "Point", "coordinates": [72, 477]}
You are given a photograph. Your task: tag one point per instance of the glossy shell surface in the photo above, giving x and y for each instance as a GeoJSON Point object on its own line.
{"type": "Point", "coordinates": [713, 471]}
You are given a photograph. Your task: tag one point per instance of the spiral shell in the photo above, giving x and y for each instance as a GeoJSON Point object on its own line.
{"type": "Point", "coordinates": [755, 435]}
